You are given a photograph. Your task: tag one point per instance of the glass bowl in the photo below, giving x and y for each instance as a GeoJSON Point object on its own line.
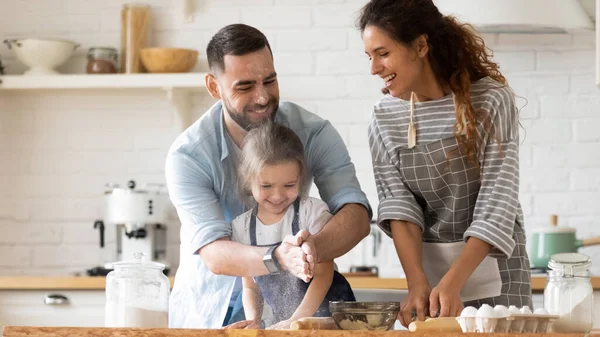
{"type": "Point", "coordinates": [364, 315]}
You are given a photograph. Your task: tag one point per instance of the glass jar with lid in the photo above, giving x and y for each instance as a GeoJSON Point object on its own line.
{"type": "Point", "coordinates": [102, 60]}
{"type": "Point", "coordinates": [569, 293]}
{"type": "Point", "coordinates": [137, 294]}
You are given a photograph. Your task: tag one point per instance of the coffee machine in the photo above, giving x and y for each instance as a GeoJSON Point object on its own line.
{"type": "Point", "coordinates": [139, 217]}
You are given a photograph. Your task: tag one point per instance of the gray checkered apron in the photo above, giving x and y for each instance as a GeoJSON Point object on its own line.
{"type": "Point", "coordinates": [447, 192]}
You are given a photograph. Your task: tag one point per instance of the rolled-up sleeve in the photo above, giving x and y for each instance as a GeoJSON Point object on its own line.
{"type": "Point", "coordinates": [497, 204]}
{"type": "Point", "coordinates": [396, 201]}
{"type": "Point", "coordinates": [191, 192]}
{"type": "Point", "coordinates": [333, 171]}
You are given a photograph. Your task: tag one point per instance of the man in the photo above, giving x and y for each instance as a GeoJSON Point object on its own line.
{"type": "Point", "coordinates": [202, 181]}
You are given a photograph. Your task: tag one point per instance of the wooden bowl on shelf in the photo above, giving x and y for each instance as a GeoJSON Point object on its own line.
{"type": "Point", "coordinates": [169, 60]}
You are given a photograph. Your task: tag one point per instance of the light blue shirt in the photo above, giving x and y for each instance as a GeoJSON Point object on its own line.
{"type": "Point", "coordinates": [202, 182]}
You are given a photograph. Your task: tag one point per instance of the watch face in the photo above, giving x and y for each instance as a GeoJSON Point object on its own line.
{"type": "Point", "coordinates": [269, 261]}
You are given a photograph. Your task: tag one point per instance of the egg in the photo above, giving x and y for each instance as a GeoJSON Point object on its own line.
{"type": "Point", "coordinates": [517, 324]}
{"type": "Point", "coordinates": [525, 310]}
{"type": "Point", "coordinates": [501, 311]}
{"type": "Point", "coordinates": [486, 319]}
{"type": "Point", "coordinates": [468, 312]}
{"type": "Point", "coordinates": [541, 311]}
{"type": "Point", "coordinates": [486, 311]}
{"type": "Point", "coordinates": [514, 310]}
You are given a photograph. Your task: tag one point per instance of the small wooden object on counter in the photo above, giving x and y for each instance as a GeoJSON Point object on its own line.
{"type": "Point", "coordinates": [314, 323]}
{"type": "Point", "coordinates": [21, 331]}
{"type": "Point", "coordinates": [440, 324]}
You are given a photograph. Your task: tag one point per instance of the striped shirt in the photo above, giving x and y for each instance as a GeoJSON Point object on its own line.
{"type": "Point", "coordinates": [441, 191]}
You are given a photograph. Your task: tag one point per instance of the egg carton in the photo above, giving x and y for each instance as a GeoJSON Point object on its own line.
{"type": "Point", "coordinates": [514, 323]}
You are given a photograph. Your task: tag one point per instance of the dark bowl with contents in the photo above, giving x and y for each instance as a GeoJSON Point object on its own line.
{"type": "Point", "coordinates": [364, 315]}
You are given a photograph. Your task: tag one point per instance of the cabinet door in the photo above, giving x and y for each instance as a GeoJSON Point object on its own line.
{"type": "Point", "coordinates": [52, 308]}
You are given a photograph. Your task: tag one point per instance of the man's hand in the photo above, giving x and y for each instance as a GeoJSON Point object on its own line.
{"type": "Point", "coordinates": [296, 257]}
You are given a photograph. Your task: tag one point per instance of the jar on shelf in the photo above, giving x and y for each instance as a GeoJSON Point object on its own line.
{"type": "Point", "coordinates": [102, 60]}
{"type": "Point", "coordinates": [569, 293]}
{"type": "Point", "coordinates": [135, 19]}
{"type": "Point", "coordinates": [137, 295]}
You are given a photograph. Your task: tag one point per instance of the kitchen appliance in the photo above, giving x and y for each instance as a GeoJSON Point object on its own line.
{"type": "Point", "coordinates": [42, 55]}
{"type": "Point", "coordinates": [137, 295]}
{"type": "Point", "coordinates": [554, 239]}
{"type": "Point", "coordinates": [361, 271]}
{"type": "Point", "coordinates": [139, 217]}
{"type": "Point", "coordinates": [522, 16]}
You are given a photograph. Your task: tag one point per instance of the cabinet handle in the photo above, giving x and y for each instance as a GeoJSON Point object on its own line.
{"type": "Point", "coordinates": [56, 299]}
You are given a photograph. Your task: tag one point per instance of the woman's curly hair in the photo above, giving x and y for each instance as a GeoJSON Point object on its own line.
{"type": "Point", "coordinates": [458, 56]}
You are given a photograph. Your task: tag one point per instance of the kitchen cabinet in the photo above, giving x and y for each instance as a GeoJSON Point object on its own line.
{"type": "Point", "coordinates": [179, 88]}
{"type": "Point", "coordinates": [83, 308]}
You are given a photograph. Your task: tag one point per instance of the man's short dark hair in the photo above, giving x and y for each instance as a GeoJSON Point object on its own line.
{"type": "Point", "coordinates": [236, 39]}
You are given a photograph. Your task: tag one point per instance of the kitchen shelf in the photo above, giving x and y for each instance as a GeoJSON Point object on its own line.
{"type": "Point", "coordinates": [179, 88]}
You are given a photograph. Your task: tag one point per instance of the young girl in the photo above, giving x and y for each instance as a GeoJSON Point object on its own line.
{"type": "Point", "coordinates": [272, 173]}
{"type": "Point", "coordinates": [445, 147]}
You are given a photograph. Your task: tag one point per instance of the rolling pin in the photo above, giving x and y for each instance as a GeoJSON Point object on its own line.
{"type": "Point", "coordinates": [440, 324]}
{"type": "Point", "coordinates": [314, 323]}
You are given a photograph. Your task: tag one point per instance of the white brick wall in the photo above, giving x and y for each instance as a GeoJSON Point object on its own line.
{"type": "Point", "coordinates": [58, 149]}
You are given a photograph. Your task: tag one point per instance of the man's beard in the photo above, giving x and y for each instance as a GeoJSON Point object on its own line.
{"type": "Point", "coordinates": [243, 121]}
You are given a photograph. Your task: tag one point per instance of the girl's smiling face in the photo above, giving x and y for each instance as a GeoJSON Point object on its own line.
{"type": "Point", "coordinates": [277, 186]}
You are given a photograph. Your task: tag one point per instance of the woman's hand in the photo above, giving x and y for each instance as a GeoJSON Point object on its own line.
{"type": "Point", "coordinates": [445, 301]}
{"type": "Point", "coordinates": [250, 324]}
{"type": "Point", "coordinates": [416, 301]}
{"type": "Point", "coordinates": [283, 325]}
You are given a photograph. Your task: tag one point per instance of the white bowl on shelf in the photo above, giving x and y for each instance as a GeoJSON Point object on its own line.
{"type": "Point", "coordinates": [42, 56]}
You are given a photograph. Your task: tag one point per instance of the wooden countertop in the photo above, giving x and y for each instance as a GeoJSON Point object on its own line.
{"type": "Point", "coordinates": [16, 331]}
{"type": "Point", "coordinates": [98, 283]}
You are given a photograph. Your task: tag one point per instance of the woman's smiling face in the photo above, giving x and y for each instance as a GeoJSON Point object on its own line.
{"type": "Point", "coordinates": [398, 65]}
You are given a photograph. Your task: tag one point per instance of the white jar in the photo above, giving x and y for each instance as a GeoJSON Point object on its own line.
{"type": "Point", "coordinates": [569, 293]}
{"type": "Point", "coordinates": [137, 295]}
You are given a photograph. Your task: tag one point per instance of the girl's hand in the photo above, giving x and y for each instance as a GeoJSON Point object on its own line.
{"type": "Point", "coordinates": [416, 301]}
{"type": "Point", "coordinates": [283, 325]}
{"type": "Point", "coordinates": [446, 301]}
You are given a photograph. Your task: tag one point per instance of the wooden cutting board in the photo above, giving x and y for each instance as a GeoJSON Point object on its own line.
{"type": "Point", "coordinates": [26, 331]}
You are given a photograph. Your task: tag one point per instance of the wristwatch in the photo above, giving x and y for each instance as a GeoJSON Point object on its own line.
{"type": "Point", "coordinates": [271, 262]}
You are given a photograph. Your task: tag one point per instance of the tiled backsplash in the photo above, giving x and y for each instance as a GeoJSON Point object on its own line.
{"type": "Point", "coordinates": [59, 148]}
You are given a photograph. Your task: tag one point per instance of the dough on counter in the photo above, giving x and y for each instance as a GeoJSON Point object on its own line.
{"type": "Point", "coordinates": [347, 324]}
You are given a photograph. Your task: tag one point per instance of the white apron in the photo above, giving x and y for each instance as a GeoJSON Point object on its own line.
{"type": "Point", "coordinates": [485, 281]}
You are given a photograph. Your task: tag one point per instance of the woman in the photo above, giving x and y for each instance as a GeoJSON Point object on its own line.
{"type": "Point", "coordinates": [444, 143]}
